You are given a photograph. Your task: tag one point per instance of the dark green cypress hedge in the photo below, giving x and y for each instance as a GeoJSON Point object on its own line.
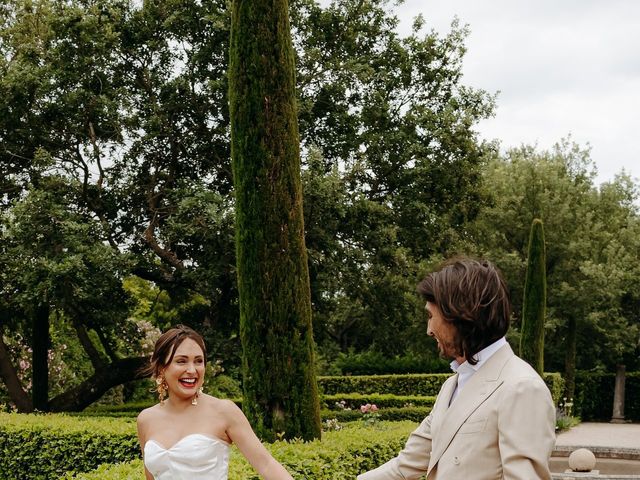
{"type": "Point", "coordinates": [280, 389]}
{"type": "Point", "coordinates": [535, 300]}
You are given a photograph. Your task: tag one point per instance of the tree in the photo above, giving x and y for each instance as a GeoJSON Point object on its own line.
{"type": "Point", "coordinates": [127, 103]}
{"type": "Point", "coordinates": [54, 264]}
{"type": "Point", "coordinates": [535, 300]}
{"type": "Point", "coordinates": [280, 389]}
{"type": "Point", "coordinates": [392, 167]}
{"type": "Point", "coordinates": [592, 279]}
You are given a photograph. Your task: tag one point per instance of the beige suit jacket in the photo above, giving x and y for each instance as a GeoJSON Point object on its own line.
{"type": "Point", "coordinates": [501, 425]}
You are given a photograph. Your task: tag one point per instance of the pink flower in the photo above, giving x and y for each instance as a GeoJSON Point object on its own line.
{"type": "Point", "coordinates": [363, 408]}
{"type": "Point", "coordinates": [374, 408]}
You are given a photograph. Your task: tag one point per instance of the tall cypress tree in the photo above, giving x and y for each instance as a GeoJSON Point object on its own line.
{"type": "Point", "coordinates": [280, 389]}
{"type": "Point", "coordinates": [535, 300]}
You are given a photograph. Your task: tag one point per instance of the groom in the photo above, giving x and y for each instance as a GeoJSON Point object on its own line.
{"type": "Point", "coordinates": [493, 419]}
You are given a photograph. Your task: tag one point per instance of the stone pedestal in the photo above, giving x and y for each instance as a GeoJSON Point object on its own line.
{"type": "Point", "coordinates": [618, 396]}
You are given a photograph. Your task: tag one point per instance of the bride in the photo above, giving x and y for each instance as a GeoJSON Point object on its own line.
{"type": "Point", "coordinates": [188, 435]}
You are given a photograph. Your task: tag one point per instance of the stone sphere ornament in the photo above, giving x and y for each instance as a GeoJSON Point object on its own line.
{"type": "Point", "coordinates": [582, 460]}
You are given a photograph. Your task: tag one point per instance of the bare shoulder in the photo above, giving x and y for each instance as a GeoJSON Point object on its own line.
{"type": "Point", "coordinates": [225, 408]}
{"type": "Point", "coordinates": [224, 405]}
{"type": "Point", "coordinates": [147, 415]}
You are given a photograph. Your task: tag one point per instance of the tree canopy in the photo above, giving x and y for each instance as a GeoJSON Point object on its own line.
{"type": "Point", "coordinates": [116, 193]}
{"type": "Point", "coordinates": [124, 107]}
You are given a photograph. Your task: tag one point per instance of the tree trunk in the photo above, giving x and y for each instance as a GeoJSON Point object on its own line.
{"type": "Point", "coordinates": [280, 389]}
{"type": "Point", "coordinates": [12, 382]}
{"type": "Point", "coordinates": [83, 395]}
{"type": "Point", "coordinates": [40, 362]}
{"type": "Point", "coordinates": [535, 300]}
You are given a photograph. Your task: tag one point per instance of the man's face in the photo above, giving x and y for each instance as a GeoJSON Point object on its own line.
{"type": "Point", "coordinates": [441, 330]}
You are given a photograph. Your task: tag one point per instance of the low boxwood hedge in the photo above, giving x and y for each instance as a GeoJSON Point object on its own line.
{"type": "Point", "coordinates": [415, 414]}
{"type": "Point", "coordinates": [340, 454]}
{"type": "Point", "coordinates": [45, 446]}
{"type": "Point", "coordinates": [57, 445]}
{"type": "Point", "coordinates": [426, 385]}
{"type": "Point", "coordinates": [355, 400]}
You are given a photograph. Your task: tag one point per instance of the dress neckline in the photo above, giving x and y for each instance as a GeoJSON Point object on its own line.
{"type": "Point", "coordinates": [207, 436]}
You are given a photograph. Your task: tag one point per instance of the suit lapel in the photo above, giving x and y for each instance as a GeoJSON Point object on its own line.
{"type": "Point", "coordinates": [475, 392]}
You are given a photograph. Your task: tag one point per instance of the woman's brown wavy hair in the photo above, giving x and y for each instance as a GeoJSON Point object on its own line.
{"type": "Point", "coordinates": [473, 296]}
{"type": "Point", "coordinates": [166, 346]}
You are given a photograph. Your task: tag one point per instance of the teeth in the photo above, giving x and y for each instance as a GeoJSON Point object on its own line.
{"type": "Point", "coordinates": [188, 380]}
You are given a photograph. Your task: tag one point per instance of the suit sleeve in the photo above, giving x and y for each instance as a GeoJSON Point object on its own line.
{"type": "Point", "coordinates": [412, 462]}
{"type": "Point", "coordinates": [526, 429]}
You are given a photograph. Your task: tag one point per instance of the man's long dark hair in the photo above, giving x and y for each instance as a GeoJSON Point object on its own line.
{"type": "Point", "coordinates": [473, 296]}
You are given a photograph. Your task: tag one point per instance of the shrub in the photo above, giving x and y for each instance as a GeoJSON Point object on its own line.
{"type": "Point", "coordinates": [412, 384]}
{"type": "Point", "coordinates": [340, 454]}
{"type": "Point", "coordinates": [426, 385]}
{"type": "Point", "coordinates": [393, 414]}
{"type": "Point", "coordinates": [123, 410]}
{"type": "Point", "coordinates": [555, 383]}
{"type": "Point", "coordinates": [376, 363]}
{"type": "Point", "coordinates": [354, 400]}
{"type": "Point", "coordinates": [46, 446]}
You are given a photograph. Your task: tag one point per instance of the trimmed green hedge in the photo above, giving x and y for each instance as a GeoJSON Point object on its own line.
{"type": "Point", "coordinates": [415, 414]}
{"type": "Point", "coordinates": [594, 396]}
{"type": "Point", "coordinates": [355, 400]}
{"type": "Point", "coordinates": [340, 454]}
{"type": "Point", "coordinates": [124, 410]}
{"type": "Point", "coordinates": [377, 363]}
{"type": "Point", "coordinates": [45, 446]}
{"type": "Point", "coordinates": [57, 445]}
{"type": "Point", "coordinates": [427, 385]}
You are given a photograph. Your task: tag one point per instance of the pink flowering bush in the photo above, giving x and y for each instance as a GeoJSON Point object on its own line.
{"type": "Point", "coordinates": [370, 415]}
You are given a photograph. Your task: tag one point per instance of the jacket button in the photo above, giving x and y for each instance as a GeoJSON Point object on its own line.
{"type": "Point", "coordinates": [456, 460]}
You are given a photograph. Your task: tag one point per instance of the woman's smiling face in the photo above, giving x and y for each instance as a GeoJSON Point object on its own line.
{"type": "Point", "coordinates": [185, 373]}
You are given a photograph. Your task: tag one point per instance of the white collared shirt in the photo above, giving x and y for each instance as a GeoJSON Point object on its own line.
{"type": "Point", "coordinates": [465, 370]}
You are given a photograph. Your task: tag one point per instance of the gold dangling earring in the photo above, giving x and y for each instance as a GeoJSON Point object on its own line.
{"type": "Point", "coordinates": [161, 387]}
{"type": "Point", "coordinates": [194, 400]}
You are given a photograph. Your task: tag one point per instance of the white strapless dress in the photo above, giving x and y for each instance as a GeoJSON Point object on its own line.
{"type": "Point", "coordinates": [194, 457]}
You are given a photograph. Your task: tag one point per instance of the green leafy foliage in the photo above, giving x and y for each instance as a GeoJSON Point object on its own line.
{"type": "Point", "coordinates": [279, 382]}
{"type": "Point", "coordinates": [594, 396]}
{"type": "Point", "coordinates": [47, 446]}
{"type": "Point", "coordinates": [353, 401]}
{"type": "Point", "coordinates": [392, 414]}
{"type": "Point", "coordinates": [425, 385]}
{"type": "Point", "coordinates": [591, 237]}
{"type": "Point", "coordinates": [341, 454]}
{"type": "Point", "coordinates": [125, 106]}
{"type": "Point", "coordinates": [377, 363]}
{"type": "Point", "coordinates": [413, 384]}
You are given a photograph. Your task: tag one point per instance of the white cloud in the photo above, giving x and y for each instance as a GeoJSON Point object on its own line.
{"type": "Point", "coordinates": [561, 67]}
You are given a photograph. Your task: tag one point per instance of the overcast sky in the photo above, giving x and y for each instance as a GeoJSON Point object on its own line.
{"type": "Point", "coordinates": [561, 66]}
